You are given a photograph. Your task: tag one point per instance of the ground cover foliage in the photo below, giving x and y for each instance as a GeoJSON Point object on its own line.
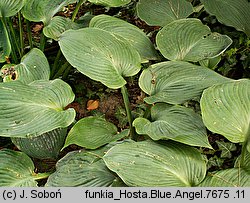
{"type": "Point", "coordinates": [125, 93]}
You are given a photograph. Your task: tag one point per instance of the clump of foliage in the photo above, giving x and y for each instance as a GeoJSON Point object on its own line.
{"type": "Point", "coordinates": [193, 127]}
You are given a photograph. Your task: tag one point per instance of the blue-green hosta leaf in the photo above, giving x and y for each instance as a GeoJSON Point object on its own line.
{"type": "Point", "coordinates": [110, 3]}
{"type": "Point", "coordinates": [175, 82]}
{"type": "Point", "coordinates": [177, 123]}
{"type": "Point", "coordinates": [162, 12]}
{"type": "Point", "coordinates": [136, 37]}
{"type": "Point", "coordinates": [233, 177]}
{"type": "Point", "coordinates": [34, 66]}
{"type": "Point", "coordinates": [37, 10]}
{"type": "Point", "coordinates": [16, 169]}
{"type": "Point", "coordinates": [58, 25]}
{"type": "Point", "coordinates": [190, 40]}
{"type": "Point", "coordinates": [10, 7]}
{"type": "Point", "coordinates": [81, 169]}
{"type": "Point", "coordinates": [234, 13]}
{"type": "Point", "coordinates": [100, 55]}
{"type": "Point", "coordinates": [148, 164]}
{"type": "Point", "coordinates": [5, 46]}
{"type": "Point", "coordinates": [93, 132]}
{"type": "Point", "coordinates": [226, 109]}
{"type": "Point", "coordinates": [29, 110]}
{"type": "Point", "coordinates": [45, 146]}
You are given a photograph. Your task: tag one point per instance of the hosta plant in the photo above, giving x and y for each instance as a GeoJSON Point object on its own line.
{"type": "Point", "coordinates": [190, 111]}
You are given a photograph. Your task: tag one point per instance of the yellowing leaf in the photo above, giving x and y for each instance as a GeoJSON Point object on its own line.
{"type": "Point", "coordinates": [92, 104]}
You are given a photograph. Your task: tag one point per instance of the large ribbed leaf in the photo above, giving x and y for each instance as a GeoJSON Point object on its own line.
{"type": "Point", "coordinates": [58, 25]}
{"type": "Point", "coordinates": [148, 164]}
{"type": "Point", "coordinates": [34, 66]}
{"type": "Point", "coordinates": [5, 46]}
{"type": "Point", "coordinates": [227, 178]}
{"type": "Point", "coordinates": [162, 12]}
{"type": "Point", "coordinates": [190, 40]}
{"type": "Point", "coordinates": [37, 10]}
{"type": "Point", "coordinates": [36, 108]}
{"type": "Point", "coordinates": [176, 82]}
{"type": "Point", "coordinates": [177, 123]}
{"type": "Point", "coordinates": [226, 110]}
{"type": "Point", "coordinates": [80, 168]}
{"type": "Point", "coordinates": [45, 146]}
{"type": "Point", "coordinates": [234, 13]}
{"type": "Point", "coordinates": [136, 37]}
{"type": "Point", "coordinates": [110, 3]}
{"type": "Point", "coordinates": [16, 170]}
{"type": "Point", "coordinates": [100, 55]}
{"type": "Point", "coordinates": [93, 132]}
{"type": "Point", "coordinates": [245, 163]}
{"type": "Point", "coordinates": [10, 7]}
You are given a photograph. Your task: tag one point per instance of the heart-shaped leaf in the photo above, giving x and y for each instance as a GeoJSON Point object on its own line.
{"type": "Point", "coordinates": [176, 82]}
{"type": "Point", "coordinates": [110, 3]}
{"type": "Point", "coordinates": [136, 37]}
{"type": "Point", "coordinates": [226, 110]}
{"type": "Point", "coordinates": [227, 178]}
{"type": "Point", "coordinates": [162, 12]}
{"type": "Point", "coordinates": [234, 13]}
{"type": "Point", "coordinates": [10, 7]}
{"type": "Point", "coordinates": [34, 66]}
{"type": "Point", "coordinates": [148, 164]}
{"type": "Point", "coordinates": [93, 132]}
{"type": "Point", "coordinates": [226, 148]}
{"type": "Point", "coordinates": [100, 55]}
{"type": "Point", "coordinates": [33, 109]}
{"type": "Point", "coordinates": [190, 40]}
{"type": "Point", "coordinates": [58, 25]}
{"type": "Point", "coordinates": [81, 168]}
{"type": "Point", "coordinates": [5, 46]}
{"type": "Point", "coordinates": [17, 170]}
{"type": "Point", "coordinates": [45, 146]}
{"type": "Point", "coordinates": [177, 123]}
{"type": "Point", "coordinates": [37, 10]}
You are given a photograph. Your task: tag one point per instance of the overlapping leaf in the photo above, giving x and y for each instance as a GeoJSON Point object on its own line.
{"type": "Point", "coordinates": [162, 12]}
{"type": "Point", "coordinates": [100, 55]}
{"type": "Point", "coordinates": [210, 63]}
{"type": "Point", "coordinates": [45, 146]}
{"type": "Point", "coordinates": [16, 169]}
{"type": "Point", "coordinates": [176, 82]}
{"type": "Point", "coordinates": [110, 3]}
{"type": "Point", "coordinates": [37, 10]}
{"type": "Point", "coordinates": [150, 164]}
{"type": "Point", "coordinates": [33, 109]}
{"type": "Point", "coordinates": [234, 177]}
{"type": "Point", "coordinates": [58, 25]}
{"type": "Point", "coordinates": [5, 46]}
{"type": "Point", "coordinates": [234, 13]}
{"type": "Point", "coordinates": [34, 66]}
{"type": "Point", "coordinates": [177, 123]}
{"type": "Point", "coordinates": [93, 132]}
{"type": "Point", "coordinates": [10, 7]}
{"type": "Point", "coordinates": [190, 40]}
{"type": "Point", "coordinates": [226, 109]}
{"type": "Point", "coordinates": [80, 168]}
{"type": "Point", "coordinates": [136, 37]}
